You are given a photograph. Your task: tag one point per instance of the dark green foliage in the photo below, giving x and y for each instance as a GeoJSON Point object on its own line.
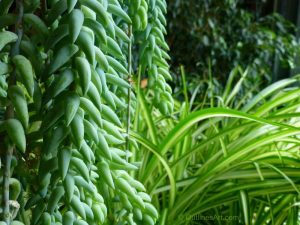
{"type": "Point", "coordinates": [224, 34]}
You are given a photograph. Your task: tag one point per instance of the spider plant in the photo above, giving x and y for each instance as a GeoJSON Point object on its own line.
{"type": "Point", "coordinates": [237, 163]}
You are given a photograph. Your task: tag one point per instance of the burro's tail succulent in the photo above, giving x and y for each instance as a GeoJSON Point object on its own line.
{"type": "Point", "coordinates": [66, 96]}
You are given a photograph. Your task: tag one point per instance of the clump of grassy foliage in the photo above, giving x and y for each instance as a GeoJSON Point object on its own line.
{"type": "Point", "coordinates": [240, 158]}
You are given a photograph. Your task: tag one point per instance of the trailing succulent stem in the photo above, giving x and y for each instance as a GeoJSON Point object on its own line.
{"type": "Point", "coordinates": [65, 85]}
{"type": "Point", "coordinates": [6, 213]}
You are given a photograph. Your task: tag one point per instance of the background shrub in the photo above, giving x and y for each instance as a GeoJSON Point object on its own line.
{"type": "Point", "coordinates": [213, 37]}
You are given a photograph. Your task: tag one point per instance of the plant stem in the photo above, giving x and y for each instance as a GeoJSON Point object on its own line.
{"type": "Point", "coordinates": [185, 92]}
{"type": "Point", "coordinates": [19, 31]}
{"type": "Point", "coordinates": [6, 177]}
{"type": "Point", "coordinates": [137, 115]}
{"type": "Point", "coordinates": [129, 89]}
{"type": "Point", "coordinates": [10, 114]}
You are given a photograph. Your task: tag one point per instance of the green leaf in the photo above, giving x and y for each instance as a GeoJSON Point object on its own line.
{"type": "Point", "coordinates": [64, 158]}
{"type": "Point", "coordinates": [86, 42]}
{"type": "Point", "coordinates": [37, 23]}
{"type": "Point", "coordinates": [105, 173]}
{"type": "Point", "coordinates": [18, 99]}
{"type": "Point", "coordinates": [81, 167]}
{"type": "Point", "coordinates": [118, 11]}
{"type": "Point", "coordinates": [62, 56]}
{"type": "Point", "coordinates": [84, 71]}
{"type": "Point", "coordinates": [69, 185]}
{"type": "Point", "coordinates": [116, 80]}
{"type": "Point", "coordinates": [68, 218]}
{"type": "Point", "coordinates": [25, 70]}
{"type": "Point", "coordinates": [16, 133]}
{"type": "Point", "coordinates": [72, 105]}
{"type": "Point", "coordinates": [7, 37]}
{"type": "Point", "coordinates": [98, 9]}
{"type": "Point", "coordinates": [55, 197]}
{"type": "Point", "coordinates": [90, 108]}
{"type": "Point", "coordinates": [116, 65]}
{"type": "Point", "coordinates": [76, 19]}
{"type": "Point", "coordinates": [78, 207]}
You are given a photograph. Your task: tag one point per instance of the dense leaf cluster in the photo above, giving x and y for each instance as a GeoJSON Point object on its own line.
{"type": "Point", "coordinates": [65, 86]}
{"type": "Point", "coordinates": [229, 164]}
{"type": "Point", "coordinates": [223, 34]}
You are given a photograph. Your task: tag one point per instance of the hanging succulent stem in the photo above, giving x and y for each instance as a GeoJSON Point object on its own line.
{"type": "Point", "coordinates": [10, 114]}
{"type": "Point", "coordinates": [7, 165]}
{"type": "Point", "coordinates": [129, 80]}
{"type": "Point", "coordinates": [70, 83]}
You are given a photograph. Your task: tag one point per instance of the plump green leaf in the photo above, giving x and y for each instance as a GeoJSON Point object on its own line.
{"type": "Point", "coordinates": [7, 37]}
{"type": "Point", "coordinates": [16, 133]}
{"type": "Point", "coordinates": [25, 70]}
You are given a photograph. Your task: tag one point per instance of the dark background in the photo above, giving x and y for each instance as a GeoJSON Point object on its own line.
{"type": "Point", "coordinates": [185, 48]}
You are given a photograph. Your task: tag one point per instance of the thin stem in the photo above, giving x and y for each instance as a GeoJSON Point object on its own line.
{"type": "Point", "coordinates": [137, 115]}
{"type": "Point", "coordinates": [10, 114]}
{"type": "Point", "coordinates": [211, 85]}
{"type": "Point", "coordinates": [129, 89]}
{"type": "Point", "coordinates": [185, 92]}
{"type": "Point", "coordinates": [6, 177]}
